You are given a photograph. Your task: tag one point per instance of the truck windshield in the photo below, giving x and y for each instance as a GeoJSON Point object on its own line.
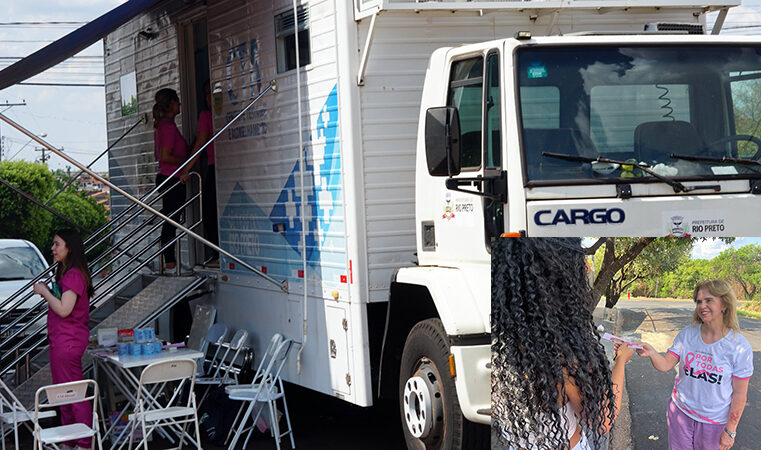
{"type": "Point", "coordinates": [19, 263]}
{"type": "Point", "coordinates": [679, 109]}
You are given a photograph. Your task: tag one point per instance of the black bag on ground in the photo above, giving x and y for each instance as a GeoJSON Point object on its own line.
{"type": "Point", "coordinates": [217, 415]}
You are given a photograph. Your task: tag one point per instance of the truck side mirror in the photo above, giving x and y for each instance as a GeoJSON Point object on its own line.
{"type": "Point", "coordinates": [442, 141]}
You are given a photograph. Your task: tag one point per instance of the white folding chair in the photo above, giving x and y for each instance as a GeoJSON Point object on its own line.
{"type": "Point", "coordinates": [13, 414]}
{"type": "Point", "coordinates": [152, 414]}
{"type": "Point", "coordinates": [66, 394]}
{"type": "Point", "coordinates": [267, 391]}
{"type": "Point", "coordinates": [224, 367]}
{"type": "Point", "coordinates": [275, 341]}
{"type": "Point", "coordinates": [215, 336]}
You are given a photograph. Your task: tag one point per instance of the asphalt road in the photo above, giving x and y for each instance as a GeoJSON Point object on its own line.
{"type": "Point", "coordinates": [658, 322]}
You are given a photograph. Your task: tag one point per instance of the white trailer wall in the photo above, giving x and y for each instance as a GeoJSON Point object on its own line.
{"type": "Point", "coordinates": [260, 191]}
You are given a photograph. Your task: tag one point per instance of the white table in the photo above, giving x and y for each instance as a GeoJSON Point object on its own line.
{"type": "Point", "coordinates": [117, 370]}
{"type": "Point", "coordinates": [132, 361]}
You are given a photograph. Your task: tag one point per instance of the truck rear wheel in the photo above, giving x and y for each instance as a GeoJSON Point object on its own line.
{"type": "Point", "coordinates": [431, 416]}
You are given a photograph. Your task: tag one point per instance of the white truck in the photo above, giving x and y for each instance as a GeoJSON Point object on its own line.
{"type": "Point", "coordinates": [377, 176]}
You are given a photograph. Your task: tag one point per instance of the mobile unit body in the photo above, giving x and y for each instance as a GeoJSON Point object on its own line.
{"type": "Point", "coordinates": [325, 183]}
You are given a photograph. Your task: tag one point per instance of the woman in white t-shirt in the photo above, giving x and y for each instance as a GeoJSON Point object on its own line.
{"type": "Point", "coordinates": [711, 386]}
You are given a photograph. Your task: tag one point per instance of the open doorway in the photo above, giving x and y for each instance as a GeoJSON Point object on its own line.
{"type": "Point", "coordinates": [197, 121]}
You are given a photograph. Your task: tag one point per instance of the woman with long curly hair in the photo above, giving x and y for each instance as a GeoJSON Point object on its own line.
{"type": "Point", "coordinates": [68, 320]}
{"type": "Point", "coordinates": [550, 374]}
{"type": "Point", "coordinates": [716, 362]}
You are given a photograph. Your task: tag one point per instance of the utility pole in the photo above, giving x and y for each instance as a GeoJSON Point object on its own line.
{"type": "Point", "coordinates": [2, 138]}
{"type": "Point", "coordinates": [44, 158]}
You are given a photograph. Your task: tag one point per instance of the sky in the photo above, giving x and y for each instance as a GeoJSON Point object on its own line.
{"type": "Point", "coordinates": [74, 117]}
{"type": "Point", "coordinates": [712, 247]}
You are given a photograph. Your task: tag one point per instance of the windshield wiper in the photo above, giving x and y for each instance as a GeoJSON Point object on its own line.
{"type": "Point", "coordinates": [722, 160]}
{"type": "Point", "coordinates": [677, 186]}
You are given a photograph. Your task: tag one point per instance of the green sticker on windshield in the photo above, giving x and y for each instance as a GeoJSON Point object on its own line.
{"type": "Point", "coordinates": [537, 71]}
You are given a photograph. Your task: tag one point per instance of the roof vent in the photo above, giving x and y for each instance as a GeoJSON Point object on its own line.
{"type": "Point", "coordinates": [679, 28]}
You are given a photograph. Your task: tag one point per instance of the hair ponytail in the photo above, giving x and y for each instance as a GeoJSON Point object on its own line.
{"type": "Point", "coordinates": [164, 98]}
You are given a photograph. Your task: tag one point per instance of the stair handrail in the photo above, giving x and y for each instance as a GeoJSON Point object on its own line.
{"type": "Point", "coordinates": [28, 337]}
{"type": "Point", "coordinates": [41, 302]}
{"type": "Point", "coordinates": [51, 269]}
{"type": "Point", "coordinates": [283, 285]}
{"type": "Point", "coordinates": [42, 312]}
{"type": "Point", "coordinates": [95, 298]}
{"type": "Point", "coordinates": [21, 356]}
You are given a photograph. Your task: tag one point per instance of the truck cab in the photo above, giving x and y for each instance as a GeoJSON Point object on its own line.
{"type": "Point", "coordinates": [594, 135]}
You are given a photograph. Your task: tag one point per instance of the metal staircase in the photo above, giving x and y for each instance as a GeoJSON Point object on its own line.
{"type": "Point", "coordinates": [128, 293]}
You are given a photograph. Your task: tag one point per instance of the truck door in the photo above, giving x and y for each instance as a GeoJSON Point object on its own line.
{"type": "Point", "coordinates": [474, 89]}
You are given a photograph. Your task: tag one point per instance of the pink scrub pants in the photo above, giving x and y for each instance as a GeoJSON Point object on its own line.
{"type": "Point", "coordinates": [66, 365]}
{"type": "Point", "coordinates": [685, 433]}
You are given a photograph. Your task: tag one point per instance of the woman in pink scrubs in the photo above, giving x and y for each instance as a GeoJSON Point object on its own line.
{"type": "Point", "coordinates": [205, 132]}
{"type": "Point", "coordinates": [171, 151]}
{"type": "Point", "coordinates": [68, 318]}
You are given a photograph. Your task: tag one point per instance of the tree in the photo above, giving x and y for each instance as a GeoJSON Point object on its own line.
{"type": "Point", "coordinates": [82, 210]}
{"type": "Point", "coordinates": [681, 281]}
{"type": "Point", "coordinates": [619, 265]}
{"type": "Point", "coordinates": [20, 218]}
{"type": "Point", "coordinates": [742, 266]}
{"type": "Point", "coordinates": [613, 261]}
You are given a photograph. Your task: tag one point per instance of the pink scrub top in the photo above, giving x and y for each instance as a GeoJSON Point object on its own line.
{"type": "Point", "coordinates": [73, 329]}
{"type": "Point", "coordinates": [167, 135]}
{"type": "Point", "coordinates": [205, 125]}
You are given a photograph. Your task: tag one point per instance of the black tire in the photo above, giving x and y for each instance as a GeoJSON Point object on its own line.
{"type": "Point", "coordinates": [427, 349]}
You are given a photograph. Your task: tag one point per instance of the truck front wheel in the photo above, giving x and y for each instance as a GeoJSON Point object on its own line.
{"type": "Point", "coordinates": [431, 416]}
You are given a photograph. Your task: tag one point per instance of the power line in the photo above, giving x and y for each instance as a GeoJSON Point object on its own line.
{"type": "Point", "coordinates": [63, 84]}
{"type": "Point", "coordinates": [56, 23]}
{"type": "Point", "coordinates": [25, 41]}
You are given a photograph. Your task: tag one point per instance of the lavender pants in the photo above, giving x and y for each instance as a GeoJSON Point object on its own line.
{"type": "Point", "coordinates": [66, 365]}
{"type": "Point", "coordinates": [686, 433]}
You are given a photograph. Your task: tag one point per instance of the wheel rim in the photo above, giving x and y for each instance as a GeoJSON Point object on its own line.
{"type": "Point", "coordinates": [423, 402]}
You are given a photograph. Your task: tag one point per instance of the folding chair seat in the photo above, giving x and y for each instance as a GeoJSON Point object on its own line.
{"type": "Point", "coordinates": [224, 367]}
{"type": "Point", "coordinates": [13, 414]}
{"type": "Point", "coordinates": [152, 414]}
{"type": "Point", "coordinates": [66, 394]}
{"type": "Point", "coordinates": [267, 391]}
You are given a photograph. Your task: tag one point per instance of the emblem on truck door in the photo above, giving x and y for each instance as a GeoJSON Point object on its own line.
{"type": "Point", "coordinates": [448, 214]}
{"type": "Point", "coordinates": [579, 216]}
